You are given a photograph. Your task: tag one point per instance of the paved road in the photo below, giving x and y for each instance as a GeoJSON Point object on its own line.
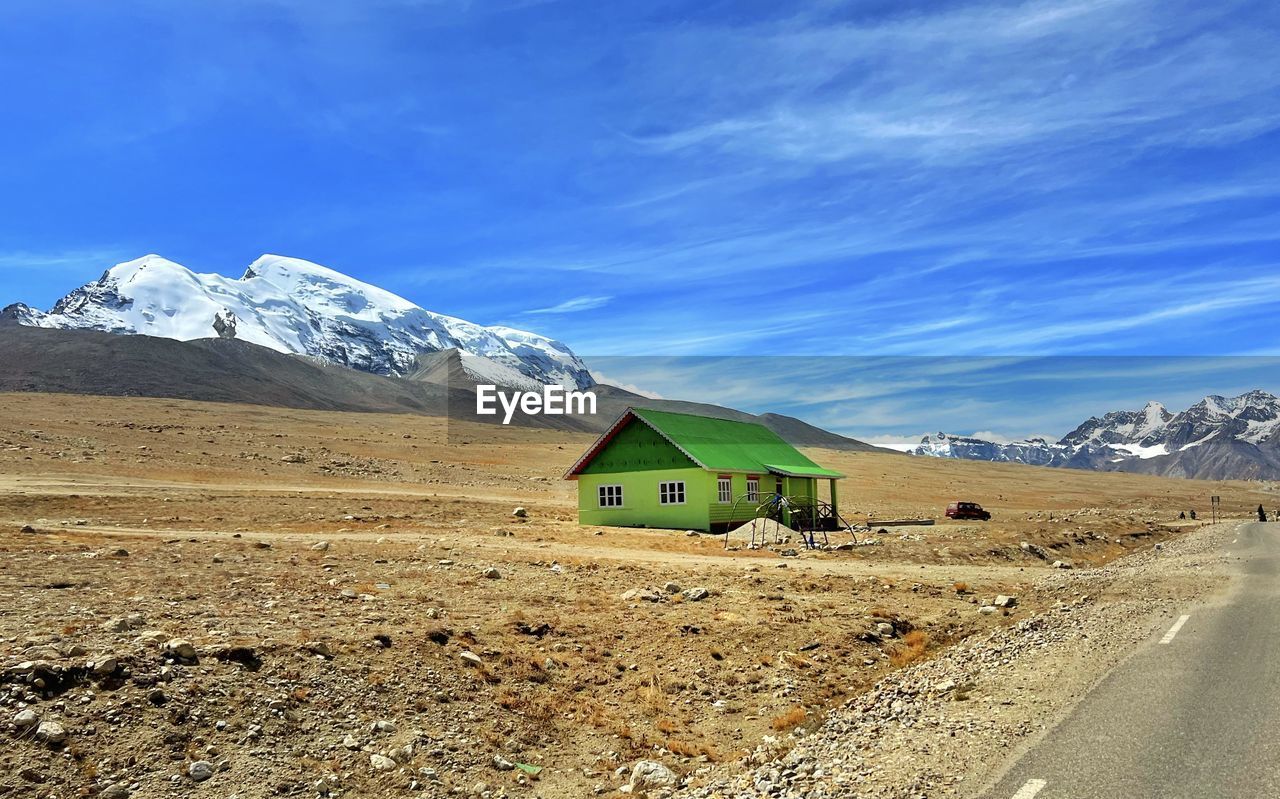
{"type": "Point", "coordinates": [1194, 714]}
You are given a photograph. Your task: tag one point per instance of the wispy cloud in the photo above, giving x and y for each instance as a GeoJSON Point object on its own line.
{"type": "Point", "coordinates": [1041, 177]}
{"type": "Point", "coordinates": [575, 305]}
{"type": "Point", "coordinates": [979, 81]}
{"type": "Point", "coordinates": [88, 262]}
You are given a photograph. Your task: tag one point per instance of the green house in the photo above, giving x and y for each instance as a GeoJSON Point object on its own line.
{"type": "Point", "coordinates": [678, 470]}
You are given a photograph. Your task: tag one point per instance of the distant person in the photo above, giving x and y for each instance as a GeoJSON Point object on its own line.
{"type": "Point", "coordinates": [1182, 515]}
{"type": "Point", "coordinates": [1262, 514]}
{"type": "Point", "coordinates": [1193, 514]}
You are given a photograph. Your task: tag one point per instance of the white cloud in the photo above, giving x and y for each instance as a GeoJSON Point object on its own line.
{"type": "Point", "coordinates": [981, 81]}
{"type": "Point", "coordinates": [601, 377]}
{"type": "Point", "coordinates": [900, 443]}
{"type": "Point", "coordinates": [575, 305]}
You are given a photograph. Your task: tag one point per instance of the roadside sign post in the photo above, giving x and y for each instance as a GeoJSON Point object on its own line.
{"type": "Point", "coordinates": [1213, 507]}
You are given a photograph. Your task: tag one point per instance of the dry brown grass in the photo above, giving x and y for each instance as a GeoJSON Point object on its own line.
{"type": "Point", "coordinates": [682, 748]}
{"type": "Point", "coordinates": [791, 719]}
{"type": "Point", "coordinates": [915, 645]}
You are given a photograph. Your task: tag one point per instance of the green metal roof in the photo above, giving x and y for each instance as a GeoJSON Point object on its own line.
{"type": "Point", "coordinates": [725, 445]}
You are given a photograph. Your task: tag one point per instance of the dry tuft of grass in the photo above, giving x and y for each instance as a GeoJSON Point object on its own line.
{"type": "Point", "coordinates": [789, 720]}
{"type": "Point", "coordinates": [915, 647]}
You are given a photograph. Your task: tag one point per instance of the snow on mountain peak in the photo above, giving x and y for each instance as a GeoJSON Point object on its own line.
{"type": "Point", "coordinates": [295, 306]}
{"type": "Point", "coordinates": [322, 285]}
{"type": "Point", "coordinates": [1126, 437]}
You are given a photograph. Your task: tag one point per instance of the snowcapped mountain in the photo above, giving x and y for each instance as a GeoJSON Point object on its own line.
{"type": "Point", "coordinates": [295, 306]}
{"type": "Point", "coordinates": [1035, 451]}
{"type": "Point", "coordinates": [1216, 438]}
{"type": "Point", "coordinates": [1118, 428]}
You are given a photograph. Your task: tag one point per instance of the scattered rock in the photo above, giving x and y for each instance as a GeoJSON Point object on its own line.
{"type": "Point", "coordinates": [649, 774]}
{"type": "Point", "coordinates": [151, 637]}
{"type": "Point", "coordinates": [401, 754]}
{"type": "Point", "coordinates": [471, 658]}
{"type": "Point", "coordinates": [318, 648]}
{"type": "Point", "coordinates": [671, 588]}
{"type": "Point", "coordinates": [294, 457]}
{"type": "Point", "coordinates": [351, 742]}
{"type": "Point", "coordinates": [320, 546]}
{"type": "Point", "coordinates": [695, 594]}
{"type": "Point", "coordinates": [1004, 601]}
{"type": "Point", "coordinates": [116, 790]}
{"type": "Point", "coordinates": [120, 624]}
{"type": "Point", "coordinates": [536, 629]}
{"type": "Point", "coordinates": [26, 528]}
{"type": "Point", "coordinates": [244, 655]}
{"type": "Point", "coordinates": [502, 764]}
{"type": "Point", "coordinates": [1062, 564]}
{"type": "Point", "coordinates": [200, 770]}
{"type": "Point", "coordinates": [1034, 549]}
{"type": "Point", "coordinates": [180, 648]}
{"type": "Point", "coordinates": [382, 763]}
{"type": "Point", "coordinates": [491, 573]}
{"type": "Point", "coordinates": [51, 732]}
{"type": "Point", "coordinates": [26, 719]}
{"type": "Point", "coordinates": [884, 629]}
{"type": "Point", "coordinates": [520, 513]}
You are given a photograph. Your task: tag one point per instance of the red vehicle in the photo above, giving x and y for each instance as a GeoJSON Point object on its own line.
{"type": "Point", "coordinates": [967, 510]}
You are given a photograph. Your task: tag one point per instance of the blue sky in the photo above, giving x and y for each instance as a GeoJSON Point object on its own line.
{"type": "Point", "coordinates": [893, 400]}
{"type": "Point", "coordinates": [1094, 177]}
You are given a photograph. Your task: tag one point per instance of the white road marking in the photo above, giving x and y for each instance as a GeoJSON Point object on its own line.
{"type": "Point", "coordinates": [1177, 625]}
{"type": "Point", "coordinates": [1030, 789]}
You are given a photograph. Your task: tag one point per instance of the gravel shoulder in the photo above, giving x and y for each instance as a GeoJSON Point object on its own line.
{"type": "Point", "coordinates": [950, 726]}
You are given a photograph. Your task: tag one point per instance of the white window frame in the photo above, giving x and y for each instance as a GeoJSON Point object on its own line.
{"type": "Point", "coordinates": [669, 489]}
{"type": "Point", "coordinates": [753, 489]}
{"type": "Point", "coordinates": [607, 498]}
{"type": "Point", "coordinates": [724, 489]}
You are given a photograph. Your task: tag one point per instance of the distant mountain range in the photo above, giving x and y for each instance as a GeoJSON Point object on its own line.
{"type": "Point", "coordinates": [1216, 438]}
{"type": "Point", "coordinates": [296, 334]}
{"type": "Point", "coordinates": [51, 360]}
{"type": "Point", "coordinates": [294, 306]}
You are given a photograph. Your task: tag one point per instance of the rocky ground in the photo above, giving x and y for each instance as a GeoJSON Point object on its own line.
{"type": "Point", "coordinates": [944, 727]}
{"type": "Point", "coordinates": [224, 600]}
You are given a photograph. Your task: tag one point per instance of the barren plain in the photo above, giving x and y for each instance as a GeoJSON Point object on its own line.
{"type": "Point", "coordinates": [204, 599]}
